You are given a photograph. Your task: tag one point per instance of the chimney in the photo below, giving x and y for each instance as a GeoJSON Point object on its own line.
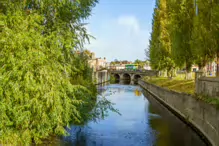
{"type": "Point", "coordinates": [93, 55]}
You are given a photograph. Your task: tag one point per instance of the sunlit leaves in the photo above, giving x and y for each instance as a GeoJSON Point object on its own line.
{"type": "Point", "coordinates": [160, 43]}
{"type": "Point", "coordinates": [170, 43]}
{"type": "Point", "coordinates": [39, 91]}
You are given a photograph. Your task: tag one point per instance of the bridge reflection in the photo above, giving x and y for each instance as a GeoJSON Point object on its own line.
{"type": "Point", "coordinates": [126, 82]}
{"type": "Point", "coordinates": [117, 77]}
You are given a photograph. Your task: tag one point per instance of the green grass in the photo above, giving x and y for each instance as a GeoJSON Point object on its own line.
{"type": "Point", "coordinates": [177, 84]}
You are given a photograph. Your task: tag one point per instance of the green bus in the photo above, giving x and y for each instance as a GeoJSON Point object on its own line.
{"type": "Point", "coordinates": [131, 67]}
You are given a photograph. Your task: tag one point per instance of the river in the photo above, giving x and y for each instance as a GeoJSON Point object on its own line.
{"type": "Point", "coordinates": [143, 122]}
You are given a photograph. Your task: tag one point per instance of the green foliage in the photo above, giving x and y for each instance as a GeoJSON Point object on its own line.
{"type": "Point", "coordinates": [181, 33]}
{"type": "Point", "coordinates": [201, 44]}
{"type": "Point", "coordinates": [160, 43]}
{"type": "Point", "coordinates": [44, 85]}
{"type": "Point", "coordinates": [112, 79]}
{"type": "Point", "coordinates": [141, 63]}
{"type": "Point", "coordinates": [184, 32]}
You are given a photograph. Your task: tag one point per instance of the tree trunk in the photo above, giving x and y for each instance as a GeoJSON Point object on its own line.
{"type": "Point", "coordinates": [188, 75]}
{"type": "Point", "coordinates": [164, 74]}
{"type": "Point", "coordinates": [159, 74]}
{"type": "Point", "coordinates": [169, 74]}
{"type": "Point", "coordinates": [174, 73]}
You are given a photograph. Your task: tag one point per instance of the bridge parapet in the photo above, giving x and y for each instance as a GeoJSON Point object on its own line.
{"type": "Point", "coordinates": [143, 73]}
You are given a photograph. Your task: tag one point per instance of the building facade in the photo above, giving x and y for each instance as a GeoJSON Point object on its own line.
{"type": "Point", "coordinates": [99, 66]}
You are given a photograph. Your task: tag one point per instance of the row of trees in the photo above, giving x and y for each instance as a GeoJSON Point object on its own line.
{"type": "Point", "coordinates": [137, 61]}
{"type": "Point", "coordinates": [116, 61]}
{"type": "Point", "coordinates": [44, 84]}
{"type": "Point", "coordinates": [184, 33]}
{"type": "Point", "coordinates": [141, 63]}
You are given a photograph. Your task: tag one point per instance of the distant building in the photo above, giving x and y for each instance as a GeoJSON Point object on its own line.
{"type": "Point", "coordinates": [147, 67]}
{"type": "Point", "coordinates": [195, 68]}
{"type": "Point", "coordinates": [120, 65]}
{"type": "Point", "coordinates": [98, 63]}
{"type": "Point", "coordinates": [211, 68]}
{"type": "Point", "coordinates": [99, 66]}
{"type": "Point", "coordinates": [117, 66]}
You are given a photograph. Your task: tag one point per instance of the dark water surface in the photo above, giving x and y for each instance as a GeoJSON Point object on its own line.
{"type": "Point", "coordinates": [143, 122]}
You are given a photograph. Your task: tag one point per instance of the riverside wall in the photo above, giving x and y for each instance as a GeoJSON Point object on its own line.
{"type": "Point", "coordinates": [203, 117]}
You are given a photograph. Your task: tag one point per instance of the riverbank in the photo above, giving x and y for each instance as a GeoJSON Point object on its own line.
{"type": "Point", "coordinates": [177, 84]}
{"type": "Point", "coordinates": [181, 85]}
{"type": "Point", "coordinates": [201, 115]}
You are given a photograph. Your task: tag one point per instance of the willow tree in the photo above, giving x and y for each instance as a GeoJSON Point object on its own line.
{"type": "Point", "coordinates": [182, 17]}
{"type": "Point", "coordinates": [38, 95]}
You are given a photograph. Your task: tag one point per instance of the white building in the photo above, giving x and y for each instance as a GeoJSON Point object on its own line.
{"type": "Point", "coordinates": [98, 63]}
{"type": "Point", "coordinates": [147, 67]}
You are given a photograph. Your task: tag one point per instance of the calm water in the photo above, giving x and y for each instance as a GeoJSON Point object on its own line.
{"type": "Point", "coordinates": [143, 122]}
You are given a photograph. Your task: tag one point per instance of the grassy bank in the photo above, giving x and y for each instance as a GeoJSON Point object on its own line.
{"type": "Point", "coordinates": [177, 84]}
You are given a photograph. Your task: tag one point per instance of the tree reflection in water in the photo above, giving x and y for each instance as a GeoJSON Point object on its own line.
{"type": "Point", "coordinates": [138, 92]}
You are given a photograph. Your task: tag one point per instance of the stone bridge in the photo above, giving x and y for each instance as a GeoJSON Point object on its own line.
{"type": "Point", "coordinates": [132, 75]}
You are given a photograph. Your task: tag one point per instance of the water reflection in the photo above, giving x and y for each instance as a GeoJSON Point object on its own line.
{"type": "Point", "coordinates": [143, 122]}
{"type": "Point", "coordinates": [126, 82]}
{"type": "Point", "coordinates": [138, 92]}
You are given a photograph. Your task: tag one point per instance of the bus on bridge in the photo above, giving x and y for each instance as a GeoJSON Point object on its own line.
{"type": "Point", "coordinates": [131, 67]}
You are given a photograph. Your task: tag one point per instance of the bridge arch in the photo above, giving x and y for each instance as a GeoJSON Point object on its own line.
{"type": "Point", "coordinates": [126, 76]}
{"type": "Point", "coordinates": [117, 77]}
{"type": "Point", "coordinates": [137, 77]}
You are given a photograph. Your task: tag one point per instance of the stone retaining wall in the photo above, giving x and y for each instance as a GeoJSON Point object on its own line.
{"type": "Point", "coordinates": [208, 86]}
{"type": "Point", "coordinates": [201, 115]}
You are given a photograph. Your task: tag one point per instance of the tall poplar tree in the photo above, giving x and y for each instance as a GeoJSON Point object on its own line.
{"type": "Point", "coordinates": [205, 33]}
{"type": "Point", "coordinates": [215, 30]}
{"type": "Point", "coordinates": [202, 42]}
{"type": "Point", "coordinates": [181, 34]}
{"type": "Point", "coordinates": [154, 54]}
{"type": "Point", "coordinates": [160, 45]}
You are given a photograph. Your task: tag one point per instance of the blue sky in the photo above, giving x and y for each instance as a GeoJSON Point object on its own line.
{"type": "Point", "coordinates": [121, 28]}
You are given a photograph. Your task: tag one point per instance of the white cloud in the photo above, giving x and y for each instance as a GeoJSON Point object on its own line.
{"type": "Point", "coordinates": [122, 38]}
{"type": "Point", "coordinates": [130, 22]}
